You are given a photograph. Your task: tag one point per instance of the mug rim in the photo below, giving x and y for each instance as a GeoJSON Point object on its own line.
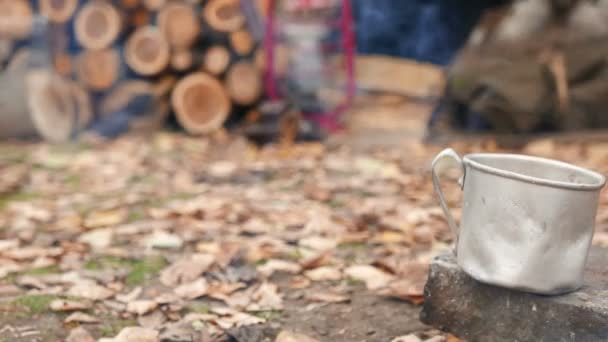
{"type": "Point", "coordinates": [601, 179]}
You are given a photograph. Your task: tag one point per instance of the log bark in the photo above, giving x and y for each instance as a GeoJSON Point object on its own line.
{"type": "Point", "coordinates": [63, 64]}
{"type": "Point", "coordinates": [147, 51]}
{"type": "Point", "coordinates": [15, 19]}
{"type": "Point", "coordinates": [20, 60]}
{"type": "Point", "coordinates": [179, 24]}
{"type": "Point", "coordinates": [242, 42]}
{"type": "Point", "coordinates": [98, 25]}
{"type": "Point", "coordinates": [82, 105]}
{"type": "Point", "coordinates": [200, 103]}
{"type": "Point", "coordinates": [244, 83]}
{"type": "Point", "coordinates": [122, 94]}
{"type": "Point", "coordinates": [216, 60]}
{"type": "Point", "coordinates": [58, 11]}
{"type": "Point", "coordinates": [35, 103]}
{"type": "Point", "coordinates": [98, 69]}
{"type": "Point", "coordinates": [6, 48]}
{"type": "Point", "coordinates": [281, 59]}
{"type": "Point", "coordinates": [130, 4]}
{"type": "Point", "coordinates": [224, 15]}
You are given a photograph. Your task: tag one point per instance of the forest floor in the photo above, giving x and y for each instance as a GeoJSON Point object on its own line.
{"type": "Point", "coordinates": [176, 238]}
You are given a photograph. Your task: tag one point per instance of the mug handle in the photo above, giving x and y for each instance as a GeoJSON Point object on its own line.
{"type": "Point", "coordinates": [445, 160]}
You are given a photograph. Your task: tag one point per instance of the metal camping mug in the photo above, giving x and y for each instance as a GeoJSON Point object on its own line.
{"type": "Point", "coordinates": [526, 222]}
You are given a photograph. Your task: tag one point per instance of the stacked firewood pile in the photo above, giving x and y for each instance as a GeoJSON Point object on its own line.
{"type": "Point", "coordinates": [135, 61]}
{"type": "Point", "coordinates": [531, 66]}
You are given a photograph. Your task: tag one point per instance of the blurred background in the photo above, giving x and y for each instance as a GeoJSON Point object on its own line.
{"type": "Point", "coordinates": [300, 69]}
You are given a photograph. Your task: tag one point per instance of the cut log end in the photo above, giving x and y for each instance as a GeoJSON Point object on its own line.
{"type": "Point", "coordinates": [182, 60]}
{"type": "Point", "coordinates": [244, 83]}
{"type": "Point", "coordinates": [242, 42]}
{"type": "Point", "coordinates": [98, 69]}
{"type": "Point", "coordinates": [154, 5]}
{"type": "Point", "coordinates": [51, 105]}
{"type": "Point", "coordinates": [15, 19]}
{"type": "Point", "coordinates": [200, 103]}
{"type": "Point", "coordinates": [147, 51]}
{"type": "Point", "coordinates": [216, 60]}
{"type": "Point", "coordinates": [179, 24]}
{"type": "Point", "coordinates": [224, 15]}
{"type": "Point", "coordinates": [58, 11]}
{"type": "Point", "coordinates": [97, 25]}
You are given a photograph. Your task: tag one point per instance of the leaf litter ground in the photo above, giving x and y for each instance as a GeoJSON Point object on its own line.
{"type": "Point", "coordinates": [176, 238]}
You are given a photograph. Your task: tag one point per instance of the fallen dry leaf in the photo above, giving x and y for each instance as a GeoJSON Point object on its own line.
{"type": "Point", "coordinates": [407, 338]}
{"type": "Point", "coordinates": [192, 290]}
{"type": "Point", "coordinates": [141, 307]}
{"type": "Point", "coordinates": [373, 277]}
{"type": "Point", "coordinates": [79, 334]}
{"type": "Point", "coordinates": [274, 265]}
{"type": "Point", "coordinates": [324, 273]}
{"type": "Point", "coordinates": [186, 269]}
{"type": "Point", "coordinates": [68, 305]}
{"type": "Point", "coordinates": [266, 297]}
{"type": "Point", "coordinates": [137, 334]}
{"type": "Point", "coordinates": [131, 296]}
{"type": "Point", "coordinates": [286, 336]}
{"type": "Point", "coordinates": [80, 317]}
{"type": "Point", "coordinates": [98, 219]}
{"type": "Point", "coordinates": [327, 297]}
{"type": "Point", "coordinates": [90, 291]}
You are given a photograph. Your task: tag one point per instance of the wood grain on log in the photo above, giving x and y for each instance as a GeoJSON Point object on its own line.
{"type": "Point", "coordinates": [200, 103]}
{"type": "Point", "coordinates": [58, 11]}
{"type": "Point", "coordinates": [98, 69]}
{"type": "Point", "coordinates": [164, 86]}
{"type": "Point", "coordinates": [242, 42]}
{"type": "Point", "coordinates": [147, 51]}
{"type": "Point", "coordinates": [244, 83]}
{"type": "Point", "coordinates": [15, 19]}
{"type": "Point", "coordinates": [97, 25]}
{"type": "Point", "coordinates": [216, 60]}
{"type": "Point", "coordinates": [224, 15]}
{"type": "Point", "coordinates": [179, 24]}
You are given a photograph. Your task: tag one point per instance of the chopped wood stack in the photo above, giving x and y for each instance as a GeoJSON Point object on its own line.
{"type": "Point", "coordinates": [190, 57]}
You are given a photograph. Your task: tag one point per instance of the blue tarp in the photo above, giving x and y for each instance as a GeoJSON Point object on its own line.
{"type": "Point", "coordinates": [425, 30]}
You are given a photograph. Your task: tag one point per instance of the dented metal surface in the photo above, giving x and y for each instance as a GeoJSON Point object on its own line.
{"type": "Point", "coordinates": [527, 222]}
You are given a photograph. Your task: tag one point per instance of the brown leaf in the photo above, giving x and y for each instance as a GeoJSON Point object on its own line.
{"type": "Point", "coordinates": [327, 297]}
{"type": "Point", "coordinates": [187, 269]}
{"type": "Point", "coordinates": [266, 297]}
{"type": "Point", "coordinates": [324, 273]}
{"type": "Point", "coordinates": [90, 291]}
{"type": "Point", "coordinates": [98, 219]}
{"type": "Point", "coordinates": [299, 282]}
{"type": "Point", "coordinates": [373, 277]}
{"type": "Point", "coordinates": [79, 335]}
{"type": "Point", "coordinates": [275, 265]}
{"type": "Point", "coordinates": [129, 297]}
{"type": "Point", "coordinates": [137, 334]}
{"type": "Point", "coordinates": [407, 338]}
{"type": "Point", "coordinates": [192, 290]}
{"type": "Point", "coordinates": [80, 317]}
{"type": "Point", "coordinates": [286, 336]}
{"type": "Point", "coordinates": [316, 260]}
{"type": "Point", "coordinates": [68, 305]}
{"type": "Point", "coordinates": [141, 307]}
